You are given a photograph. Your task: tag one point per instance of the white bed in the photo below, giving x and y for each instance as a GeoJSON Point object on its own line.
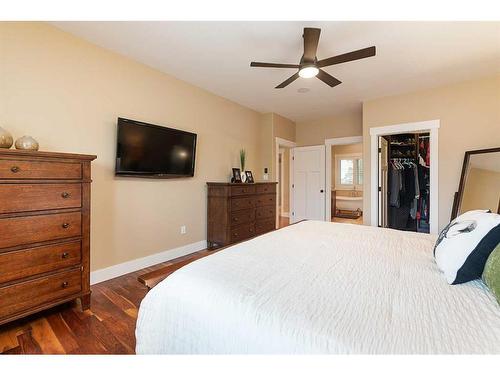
{"type": "Point", "coordinates": [318, 287]}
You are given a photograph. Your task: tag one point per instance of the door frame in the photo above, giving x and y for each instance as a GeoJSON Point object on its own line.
{"type": "Point", "coordinates": [292, 182]}
{"type": "Point", "coordinates": [328, 165]}
{"type": "Point", "coordinates": [432, 127]}
{"type": "Point", "coordinates": [281, 151]}
{"type": "Point", "coordinates": [285, 143]}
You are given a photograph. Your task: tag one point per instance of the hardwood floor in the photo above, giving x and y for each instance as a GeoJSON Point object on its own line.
{"type": "Point", "coordinates": [107, 328]}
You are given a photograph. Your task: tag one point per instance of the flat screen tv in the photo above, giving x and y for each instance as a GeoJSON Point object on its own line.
{"type": "Point", "coordinates": [146, 150]}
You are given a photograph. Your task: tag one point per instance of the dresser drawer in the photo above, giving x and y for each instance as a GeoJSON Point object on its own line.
{"type": "Point", "coordinates": [27, 197]}
{"type": "Point", "coordinates": [243, 189]}
{"type": "Point", "coordinates": [265, 189]}
{"type": "Point", "coordinates": [242, 217]}
{"type": "Point", "coordinates": [265, 212]}
{"type": "Point", "coordinates": [36, 260]}
{"type": "Point", "coordinates": [242, 232]}
{"type": "Point", "coordinates": [242, 203]}
{"type": "Point", "coordinates": [29, 294]}
{"type": "Point", "coordinates": [21, 169]}
{"type": "Point", "coordinates": [31, 229]}
{"type": "Point", "coordinates": [265, 200]}
{"type": "Point", "coordinates": [263, 226]}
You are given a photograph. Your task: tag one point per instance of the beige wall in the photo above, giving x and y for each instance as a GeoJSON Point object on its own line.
{"type": "Point", "coordinates": [470, 119]}
{"type": "Point", "coordinates": [482, 190]}
{"type": "Point", "coordinates": [266, 142]}
{"type": "Point", "coordinates": [355, 148]}
{"type": "Point", "coordinates": [67, 93]}
{"type": "Point", "coordinates": [282, 128]}
{"type": "Point", "coordinates": [272, 126]}
{"type": "Point", "coordinates": [311, 133]}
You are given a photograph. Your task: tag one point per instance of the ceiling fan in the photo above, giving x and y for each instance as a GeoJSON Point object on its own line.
{"type": "Point", "coordinates": [309, 65]}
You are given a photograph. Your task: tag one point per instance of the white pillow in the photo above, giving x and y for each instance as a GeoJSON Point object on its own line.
{"type": "Point", "coordinates": [464, 245]}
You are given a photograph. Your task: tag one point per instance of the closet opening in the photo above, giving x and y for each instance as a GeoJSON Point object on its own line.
{"type": "Point", "coordinates": [404, 181]}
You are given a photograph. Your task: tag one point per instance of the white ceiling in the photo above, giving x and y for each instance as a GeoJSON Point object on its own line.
{"type": "Point", "coordinates": [216, 56]}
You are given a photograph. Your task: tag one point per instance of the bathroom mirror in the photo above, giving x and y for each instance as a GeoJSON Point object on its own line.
{"type": "Point", "coordinates": [479, 187]}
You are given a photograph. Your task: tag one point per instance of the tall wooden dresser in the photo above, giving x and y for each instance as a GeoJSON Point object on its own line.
{"type": "Point", "coordinates": [44, 231]}
{"type": "Point", "coordinates": [240, 211]}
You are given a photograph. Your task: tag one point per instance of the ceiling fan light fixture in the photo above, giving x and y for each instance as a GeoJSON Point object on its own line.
{"type": "Point", "coordinates": [308, 72]}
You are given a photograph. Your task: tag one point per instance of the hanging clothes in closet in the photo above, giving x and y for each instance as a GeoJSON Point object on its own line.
{"type": "Point", "coordinates": [404, 193]}
{"type": "Point", "coordinates": [408, 182]}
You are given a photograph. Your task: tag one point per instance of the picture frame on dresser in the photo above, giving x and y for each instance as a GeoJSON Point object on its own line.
{"type": "Point", "coordinates": [236, 176]}
{"type": "Point", "coordinates": [45, 226]}
{"type": "Point", "coordinates": [249, 176]}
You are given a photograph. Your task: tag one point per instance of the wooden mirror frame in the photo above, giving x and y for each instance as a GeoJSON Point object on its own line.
{"type": "Point", "coordinates": [457, 200]}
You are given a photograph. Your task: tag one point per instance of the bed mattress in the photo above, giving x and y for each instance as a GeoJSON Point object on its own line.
{"type": "Point", "coordinates": [319, 288]}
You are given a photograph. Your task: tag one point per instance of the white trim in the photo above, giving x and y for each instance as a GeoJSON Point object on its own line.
{"type": "Point", "coordinates": [405, 127]}
{"type": "Point", "coordinates": [432, 127]}
{"type": "Point", "coordinates": [286, 144]}
{"type": "Point", "coordinates": [134, 265]}
{"type": "Point", "coordinates": [281, 151]}
{"type": "Point", "coordinates": [328, 165]}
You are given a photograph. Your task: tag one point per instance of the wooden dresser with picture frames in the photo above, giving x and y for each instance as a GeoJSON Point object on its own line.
{"type": "Point", "coordinates": [239, 211]}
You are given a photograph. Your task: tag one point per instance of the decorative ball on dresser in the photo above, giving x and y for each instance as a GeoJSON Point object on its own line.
{"type": "Point", "coordinates": [6, 139]}
{"type": "Point", "coordinates": [27, 143]}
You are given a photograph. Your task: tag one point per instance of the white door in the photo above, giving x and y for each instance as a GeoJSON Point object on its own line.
{"type": "Point", "coordinates": [308, 183]}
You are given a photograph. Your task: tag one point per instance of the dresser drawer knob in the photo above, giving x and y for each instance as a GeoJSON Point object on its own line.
{"type": "Point", "coordinates": [65, 195]}
{"type": "Point", "coordinates": [64, 255]}
{"type": "Point", "coordinates": [65, 225]}
{"type": "Point", "coordinates": [235, 219]}
{"type": "Point", "coordinates": [64, 284]}
{"type": "Point", "coordinates": [15, 169]}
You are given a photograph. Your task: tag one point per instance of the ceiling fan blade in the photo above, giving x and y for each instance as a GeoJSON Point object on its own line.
{"type": "Point", "coordinates": [288, 81]}
{"type": "Point", "coordinates": [328, 79]}
{"type": "Point", "coordinates": [350, 56]}
{"type": "Point", "coordinates": [272, 65]}
{"type": "Point", "coordinates": [311, 40]}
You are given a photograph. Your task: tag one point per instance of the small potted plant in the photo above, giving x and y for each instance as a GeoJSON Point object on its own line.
{"type": "Point", "coordinates": [243, 155]}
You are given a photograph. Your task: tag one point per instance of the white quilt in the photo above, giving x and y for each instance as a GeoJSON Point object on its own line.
{"type": "Point", "coordinates": [318, 287]}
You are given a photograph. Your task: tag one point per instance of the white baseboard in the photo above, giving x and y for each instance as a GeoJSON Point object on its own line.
{"type": "Point", "coordinates": [285, 214]}
{"type": "Point", "coordinates": [137, 264]}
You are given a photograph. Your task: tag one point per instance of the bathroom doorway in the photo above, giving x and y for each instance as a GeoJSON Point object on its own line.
{"type": "Point", "coordinates": [344, 180]}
